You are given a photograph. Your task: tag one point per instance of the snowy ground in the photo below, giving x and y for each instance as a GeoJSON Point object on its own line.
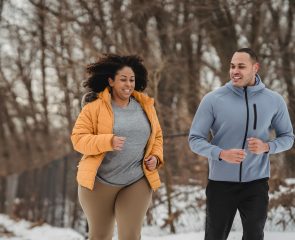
{"type": "Point", "coordinates": [21, 231]}
{"type": "Point", "coordinates": [189, 224]}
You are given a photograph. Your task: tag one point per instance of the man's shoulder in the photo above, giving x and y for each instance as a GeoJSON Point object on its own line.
{"type": "Point", "coordinates": [219, 92]}
{"type": "Point", "coordinates": [273, 98]}
{"type": "Point", "coordinates": [272, 94]}
{"type": "Point", "coordinates": [211, 98]}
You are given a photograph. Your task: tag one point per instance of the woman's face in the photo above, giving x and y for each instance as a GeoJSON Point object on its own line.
{"type": "Point", "coordinates": [123, 85]}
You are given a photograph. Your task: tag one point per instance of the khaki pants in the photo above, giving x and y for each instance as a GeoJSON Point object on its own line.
{"type": "Point", "coordinates": [105, 204]}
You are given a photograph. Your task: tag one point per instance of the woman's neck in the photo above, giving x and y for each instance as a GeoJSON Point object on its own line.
{"type": "Point", "coordinates": [120, 102]}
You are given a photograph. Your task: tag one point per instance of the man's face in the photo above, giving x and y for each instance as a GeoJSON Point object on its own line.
{"type": "Point", "coordinates": [242, 70]}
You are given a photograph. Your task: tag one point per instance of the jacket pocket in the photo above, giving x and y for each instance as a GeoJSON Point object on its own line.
{"type": "Point", "coordinates": [255, 116]}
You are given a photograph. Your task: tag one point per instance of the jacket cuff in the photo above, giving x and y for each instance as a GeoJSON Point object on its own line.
{"type": "Point", "coordinates": [215, 153]}
{"type": "Point", "coordinates": [272, 147]}
{"type": "Point", "coordinates": [108, 143]}
{"type": "Point", "coordinates": [158, 161]}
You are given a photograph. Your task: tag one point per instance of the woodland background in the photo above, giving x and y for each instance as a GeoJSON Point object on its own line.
{"type": "Point", "coordinates": [186, 45]}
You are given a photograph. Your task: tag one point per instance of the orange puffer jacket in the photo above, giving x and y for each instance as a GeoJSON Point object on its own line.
{"type": "Point", "coordinates": [93, 132]}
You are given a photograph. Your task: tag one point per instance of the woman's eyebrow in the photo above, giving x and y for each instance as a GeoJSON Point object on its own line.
{"type": "Point", "coordinates": [126, 76]}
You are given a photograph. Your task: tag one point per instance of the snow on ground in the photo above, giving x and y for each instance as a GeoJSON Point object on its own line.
{"type": "Point", "coordinates": [232, 236]}
{"type": "Point", "coordinates": [188, 201]}
{"type": "Point", "coordinates": [21, 231]}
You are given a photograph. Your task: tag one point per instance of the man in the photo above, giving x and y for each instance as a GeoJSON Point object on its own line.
{"type": "Point", "coordinates": [240, 116]}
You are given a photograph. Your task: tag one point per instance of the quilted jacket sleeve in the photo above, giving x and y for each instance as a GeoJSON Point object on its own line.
{"type": "Point", "coordinates": [85, 140]}
{"type": "Point", "coordinates": [157, 149]}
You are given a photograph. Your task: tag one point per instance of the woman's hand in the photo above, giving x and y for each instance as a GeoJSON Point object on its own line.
{"type": "Point", "coordinates": [151, 162]}
{"type": "Point", "coordinates": [118, 142]}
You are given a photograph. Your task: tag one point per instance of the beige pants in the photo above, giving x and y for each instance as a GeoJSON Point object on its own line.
{"type": "Point", "coordinates": [105, 204]}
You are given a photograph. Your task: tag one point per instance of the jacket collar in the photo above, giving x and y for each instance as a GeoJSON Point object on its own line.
{"type": "Point", "coordinates": [251, 90]}
{"type": "Point", "coordinates": [143, 99]}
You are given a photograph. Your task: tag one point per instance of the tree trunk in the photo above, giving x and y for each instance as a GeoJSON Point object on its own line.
{"type": "Point", "coordinates": [2, 194]}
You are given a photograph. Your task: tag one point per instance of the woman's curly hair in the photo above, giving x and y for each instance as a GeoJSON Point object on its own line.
{"type": "Point", "coordinates": [107, 67]}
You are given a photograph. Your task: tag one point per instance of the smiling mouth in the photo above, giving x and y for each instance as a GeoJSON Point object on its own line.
{"type": "Point", "coordinates": [236, 78]}
{"type": "Point", "coordinates": [126, 91]}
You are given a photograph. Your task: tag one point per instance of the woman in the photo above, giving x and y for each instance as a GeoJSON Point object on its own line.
{"type": "Point", "coordinates": [122, 145]}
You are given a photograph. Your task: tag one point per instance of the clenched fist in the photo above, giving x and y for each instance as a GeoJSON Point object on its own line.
{"type": "Point", "coordinates": [151, 162]}
{"type": "Point", "coordinates": [257, 146]}
{"type": "Point", "coordinates": [233, 155]}
{"type": "Point", "coordinates": [118, 142]}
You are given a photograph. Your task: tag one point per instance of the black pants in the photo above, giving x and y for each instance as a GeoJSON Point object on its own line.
{"type": "Point", "coordinates": [223, 201]}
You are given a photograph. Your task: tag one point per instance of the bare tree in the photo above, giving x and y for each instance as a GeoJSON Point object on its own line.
{"type": "Point", "coordinates": [186, 46]}
{"type": "Point", "coordinates": [284, 32]}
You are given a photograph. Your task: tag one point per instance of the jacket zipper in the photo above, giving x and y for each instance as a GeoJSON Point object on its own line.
{"type": "Point", "coordinates": [246, 131]}
{"type": "Point", "coordinates": [255, 116]}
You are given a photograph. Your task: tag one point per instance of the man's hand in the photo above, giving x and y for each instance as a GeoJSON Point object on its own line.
{"type": "Point", "coordinates": [257, 146]}
{"type": "Point", "coordinates": [118, 143]}
{"type": "Point", "coordinates": [151, 162]}
{"type": "Point", "coordinates": [233, 155]}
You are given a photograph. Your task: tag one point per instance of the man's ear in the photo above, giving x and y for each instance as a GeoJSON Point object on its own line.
{"type": "Point", "coordinates": [256, 67]}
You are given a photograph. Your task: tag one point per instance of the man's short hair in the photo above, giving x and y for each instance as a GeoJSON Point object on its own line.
{"type": "Point", "coordinates": [252, 54]}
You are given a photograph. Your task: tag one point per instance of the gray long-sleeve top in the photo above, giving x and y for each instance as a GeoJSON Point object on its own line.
{"type": "Point", "coordinates": [121, 168]}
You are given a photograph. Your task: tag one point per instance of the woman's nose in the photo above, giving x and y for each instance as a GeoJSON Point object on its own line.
{"type": "Point", "coordinates": [128, 83]}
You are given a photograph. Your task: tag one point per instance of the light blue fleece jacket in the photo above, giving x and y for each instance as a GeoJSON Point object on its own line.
{"type": "Point", "coordinates": [232, 115]}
